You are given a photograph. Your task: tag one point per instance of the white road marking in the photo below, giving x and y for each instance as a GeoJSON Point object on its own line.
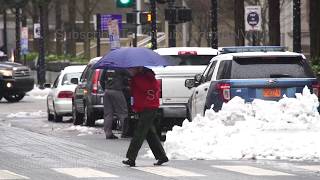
{"type": "Point", "coordinates": [315, 168]}
{"type": "Point", "coordinates": [168, 171]}
{"type": "Point", "coordinates": [84, 173]}
{"type": "Point", "coordinates": [4, 174]}
{"type": "Point", "coordinates": [253, 171]}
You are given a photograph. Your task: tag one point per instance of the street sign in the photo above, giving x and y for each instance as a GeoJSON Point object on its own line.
{"type": "Point", "coordinates": [114, 35]}
{"type": "Point", "coordinates": [24, 40]}
{"type": "Point", "coordinates": [253, 18]}
{"type": "Point", "coordinates": [106, 17]}
{"type": "Point", "coordinates": [36, 31]}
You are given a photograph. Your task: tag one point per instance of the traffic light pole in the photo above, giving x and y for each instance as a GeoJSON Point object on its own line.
{"type": "Point", "coordinates": [135, 31]}
{"type": "Point", "coordinates": [153, 24]}
{"type": "Point", "coordinates": [98, 34]}
{"type": "Point", "coordinates": [18, 31]}
{"type": "Point", "coordinates": [172, 26]}
{"type": "Point", "coordinates": [5, 45]}
{"type": "Point", "coordinates": [214, 24]}
{"type": "Point", "coordinates": [296, 26]}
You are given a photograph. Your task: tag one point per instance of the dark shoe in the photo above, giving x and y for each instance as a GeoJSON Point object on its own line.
{"type": "Point", "coordinates": [124, 136]}
{"type": "Point", "coordinates": [161, 161]}
{"type": "Point", "coordinates": [112, 137]}
{"type": "Point", "coordinates": [129, 162]}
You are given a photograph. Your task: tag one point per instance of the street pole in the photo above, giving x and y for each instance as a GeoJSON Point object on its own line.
{"type": "Point", "coordinates": [172, 25]}
{"type": "Point", "coordinates": [135, 39]}
{"type": "Point", "coordinates": [24, 24]}
{"type": "Point", "coordinates": [98, 33]}
{"type": "Point", "coordinates": [5, 44]}
{"type": "Point", "coordinates": [296, 26]}
{"type": "Point", "coordinates": [41, 61]}
{"type": "Point", "coordinates": [214, 24]}
{"type": "Point", "coordinates": [18, 31]}
{"type": "Point", "coordinates": [153, 24]}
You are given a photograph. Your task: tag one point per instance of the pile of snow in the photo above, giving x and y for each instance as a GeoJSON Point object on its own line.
{"type": "Point", "coordinates": [27, 114]}
{"type": "Point", "coordinates": [288, 129]}
{"type": "Point", "coordinates": [84, 130]}
{"type": "Point", "coordinates": [38, 93]}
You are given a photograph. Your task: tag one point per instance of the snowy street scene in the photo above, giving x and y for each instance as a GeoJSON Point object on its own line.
{"type": "Point", "coordinates": [160, 89]}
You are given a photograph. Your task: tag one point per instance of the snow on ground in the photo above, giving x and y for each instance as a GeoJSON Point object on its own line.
{"type": "Point", "coordinates": [288, 129]}
{"type": "Point", "coordinates": [38, 93]}
{"type": "Point", "coordinates": [84, 130]}
{"type": "Point", "coordinates": [27, 114]}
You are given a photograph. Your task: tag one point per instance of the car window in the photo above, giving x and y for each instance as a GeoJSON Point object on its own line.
{"type": "Point", "coordinates": [55, 84]}
{"type": "Point", "coordinates": [180, 60]}
{"type": "Point", "coordinates": [270, 67]}
{"type": "Point", "coordinates": [84, 75]}
{"type": "Point", "coordinates": [66, 80]}
{"type": "Point", "coordinates": [209, 74]}
{"type": "Point", "coordinates": [224, 70]}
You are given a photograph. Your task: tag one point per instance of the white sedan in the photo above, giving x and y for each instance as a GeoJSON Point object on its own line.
{"type": "Point", "coordinates": [59, 100]}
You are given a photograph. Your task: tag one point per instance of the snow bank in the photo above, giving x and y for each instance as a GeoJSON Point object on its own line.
{"type": "Point", "coordinates": [84, 130]}
{"type": "Point", "coordinates": [38, 93]}
{"type": "Point", "coordinates": [288, 129]}
{"type": "Point", "coordinates": [27, 114]}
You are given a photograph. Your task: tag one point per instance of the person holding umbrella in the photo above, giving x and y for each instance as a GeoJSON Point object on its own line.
{"type": "Point", "coordinates": [145, 91]}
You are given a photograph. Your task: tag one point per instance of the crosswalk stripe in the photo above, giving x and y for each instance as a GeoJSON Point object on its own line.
{"type": "Point", "coordinates": [84, 173]}
{"type": "Point", "coordinates": [315, 168]}
{"type": "Point", "coordinates": [253, 171]}
{"type": "Point", "coordinates": [5, 174]}
{"type": "Point", "coordinates": [168, 171]}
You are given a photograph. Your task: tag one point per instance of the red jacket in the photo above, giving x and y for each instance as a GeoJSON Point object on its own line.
{"type": "Point", "coordinates": [145, 91]}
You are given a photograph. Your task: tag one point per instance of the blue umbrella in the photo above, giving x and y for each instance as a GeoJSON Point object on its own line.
{"type": "Point", "coordinates": [130, 57]}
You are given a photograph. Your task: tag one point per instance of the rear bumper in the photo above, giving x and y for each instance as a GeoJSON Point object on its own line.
{"type": "Point", "coordinates": [16, 85]}
{"type": "Point", "coordinates": [174, 110]}
{"type": "Point", "coordinates": [63, 107]}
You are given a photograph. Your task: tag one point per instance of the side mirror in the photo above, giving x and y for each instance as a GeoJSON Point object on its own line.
{"type": "Point", "coordinates": [47, 85]}
{"type": "Point", "coordinates": [198, 77]}
{"type": "Point", "coordinates": [75, 81]}
{"type": "Point", "coordinates": [189, 83]}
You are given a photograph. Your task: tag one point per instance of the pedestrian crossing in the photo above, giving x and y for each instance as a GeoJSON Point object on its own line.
{"type": "Point", "coordinates": [164, 171]}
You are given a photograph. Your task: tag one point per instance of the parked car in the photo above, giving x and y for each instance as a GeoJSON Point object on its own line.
{"type": "Point", "coordinates": [15, 80]}
{"type": "Point", "coordinates": [184, 63]}
{"type": "Point", "coordinates": [267, 74]}
{"type": "Point", "coordinates": [87, 103]}
{"type": "Point", "coordinates": [59, 99]}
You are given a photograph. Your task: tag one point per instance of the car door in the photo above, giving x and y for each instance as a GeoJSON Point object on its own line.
{"type": "Point", "coordinates": [200, 92]}
{"type": "Point", "coordinates": [52, 93]}
{"type": "Point", "coordinates": [81, 90]}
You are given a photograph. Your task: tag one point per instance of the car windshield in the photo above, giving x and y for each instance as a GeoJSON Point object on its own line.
{"type": "Point", "coordinates": [66, 80]}
{"type": "Point", "coordinates": [180, 60]}
{"type": "Point", "coordinates": [270, 67]}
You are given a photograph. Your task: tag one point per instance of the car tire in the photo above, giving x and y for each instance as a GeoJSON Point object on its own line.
{"type": "Point", "coordinates": [14, 97]}
{"type": "Point", "coordinates": [77, 117]}
{"type": "Point", "coordinates": [56, 117]}
{"type": "Point", "coordinates": [50, 116]}
{"type": "Point", "coordinates": [89, 118]}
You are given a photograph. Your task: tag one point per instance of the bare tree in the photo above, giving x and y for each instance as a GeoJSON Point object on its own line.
{"type": "Point", "coordinates": [239, 22]}
{"type": "Point", "coordinates": [71, 28]}
{"type": "Point", "coordinates": [274, 22]}
{"type": "Point", "coordinates": [315, 29]}
{"type": "Point", "coordinates": [59, 32]}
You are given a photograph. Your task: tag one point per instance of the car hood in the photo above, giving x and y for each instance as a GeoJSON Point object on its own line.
{"type": "Point", "coordinates": [9, 65]}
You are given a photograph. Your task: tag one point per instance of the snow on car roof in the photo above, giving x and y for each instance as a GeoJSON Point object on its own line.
{"type": "Point", "coordinates": [94, 59]}
{"type": "Point", "coordinates": [176, 50]}
{"type": "Point", "coordinates": [258, 54]}
{"type": "Point", "coordinates": [75, 68]}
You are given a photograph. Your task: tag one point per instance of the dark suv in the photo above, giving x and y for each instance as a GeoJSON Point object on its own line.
{"type": "Point", "coordinates": [267, 74]}
{"type": "Point", "coordinates": [87, 103]}
{"type": "Point", "coordinates": [15, 80]}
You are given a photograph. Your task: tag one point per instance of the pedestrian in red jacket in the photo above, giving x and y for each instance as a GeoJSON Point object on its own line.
{"type": "Point", "coordinates": [145, 91]}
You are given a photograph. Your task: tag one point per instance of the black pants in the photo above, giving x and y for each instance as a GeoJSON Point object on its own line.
{"type": "Point", "coordinates": [146, 130]}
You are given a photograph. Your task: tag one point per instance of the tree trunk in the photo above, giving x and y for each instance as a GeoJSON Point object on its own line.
{"type": "Point", "coordinates": [35, 19]}
{"type": "Point", "coordinates": [59, 32]}
{"type": "Point", "coordinates": [86, 29]}
{"type": "Point", "coordinates": [315, 29]}
{"type": "Point", "coordinates": [239, 22]}
{"type": "Point", "coordinates": [47, 33]}
{"type": "Point", "coordinates": [71, 28]}
{"type": "Point", "coordinates": [274, 22]}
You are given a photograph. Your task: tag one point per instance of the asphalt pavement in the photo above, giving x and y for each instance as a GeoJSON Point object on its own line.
{"type": "Point", "coordinates": [33, 148]}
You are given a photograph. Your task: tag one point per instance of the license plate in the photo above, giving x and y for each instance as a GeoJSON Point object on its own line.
{"type": "Point", "coordinates": [272, 92]}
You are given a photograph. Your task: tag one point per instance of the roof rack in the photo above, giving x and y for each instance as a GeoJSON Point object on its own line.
{"type": "Point", "coordinates": [238, 49]}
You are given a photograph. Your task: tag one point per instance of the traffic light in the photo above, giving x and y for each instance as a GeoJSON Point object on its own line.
{"type": "Point", "coordinates": [125, 3]}
{"type": "Point", "coordinates": [145, 18]}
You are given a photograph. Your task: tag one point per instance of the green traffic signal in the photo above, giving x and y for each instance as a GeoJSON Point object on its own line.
{"type": "Point", "coordinates": [125, 3]}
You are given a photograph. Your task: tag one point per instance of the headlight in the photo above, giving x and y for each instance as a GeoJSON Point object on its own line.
{"type": "Point", "coordinates": [6, 72]}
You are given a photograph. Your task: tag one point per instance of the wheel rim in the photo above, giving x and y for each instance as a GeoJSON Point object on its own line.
{"type": "Point", "coordinates": [85, 115]}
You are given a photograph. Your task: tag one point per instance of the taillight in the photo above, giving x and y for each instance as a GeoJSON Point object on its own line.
{"type": "Point", "coordinates": [65, 94]}
{"type": "Point", "coordinates": [224, 91]}
{"type": "Point", "coordinates": [160, 85]}
{"type": "Point", "coordinates": [316, 89]}
{"type": "Point", "coordinates": [95, 81]}
{"type": "Point", "coordinates": [187, 53]}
